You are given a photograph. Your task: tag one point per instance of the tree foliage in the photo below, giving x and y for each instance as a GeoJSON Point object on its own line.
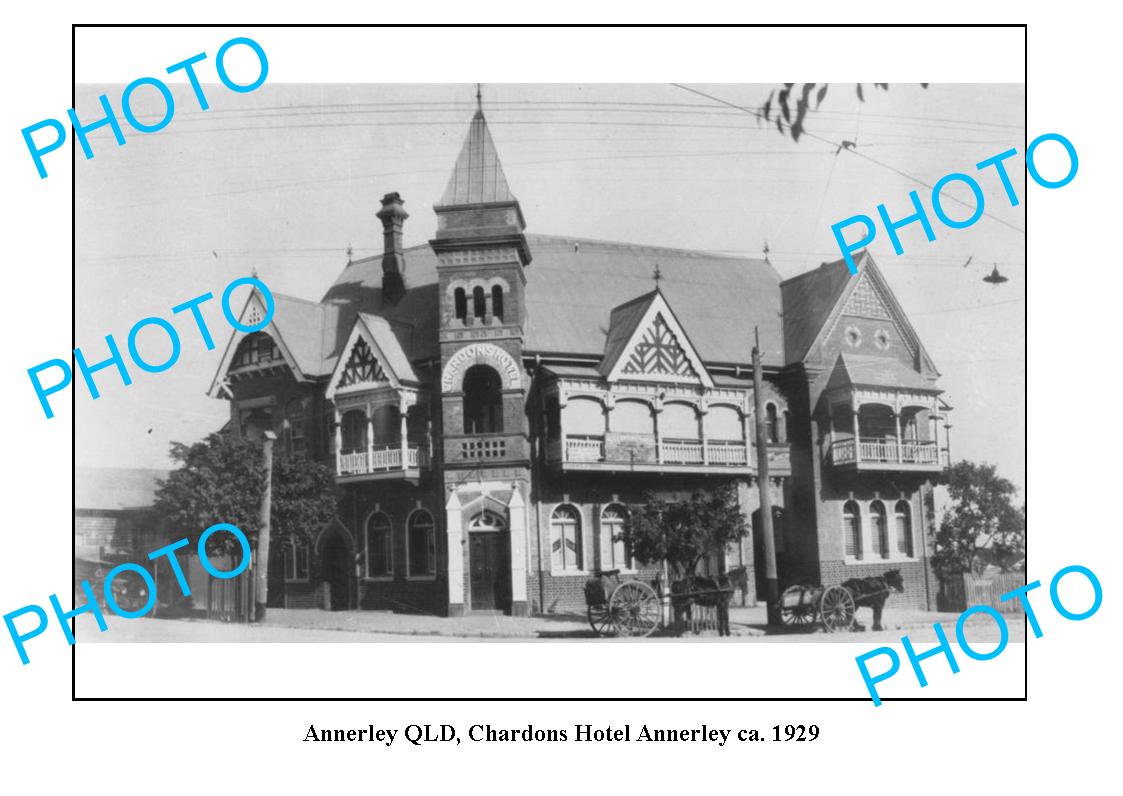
{"type": "Point", "coordinates": [793, 102]}
{"type": "Point", "coordinates": [221, 479]}
{"type": "Point", "coordinates": [684, 532]}
{"type": "Point", "coordinates": [983, 526]}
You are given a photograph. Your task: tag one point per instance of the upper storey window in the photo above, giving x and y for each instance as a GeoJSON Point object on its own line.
{"type": "Point", "coordinates": [255, 349]}
{"type": "Point", "coordinates": [483, 401]}
{"type": "Point", "coordinates": [497, 303]}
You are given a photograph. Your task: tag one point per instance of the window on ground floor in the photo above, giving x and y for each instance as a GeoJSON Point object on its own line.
{"type": "Point", "coordinates": [879, 529]}
{"type": "Point", "coordinates": [852, 529]}
{"type": "Point", "coordinates": [380, 549]}
{"type": "Point", "coordinates": [904, 528]}
{"type": "Point", "coordinates": [421, 540]}
{"type": "Point", "coordinates": [565, 539]}
{"type": "Point", "coordinates": [612, 527]}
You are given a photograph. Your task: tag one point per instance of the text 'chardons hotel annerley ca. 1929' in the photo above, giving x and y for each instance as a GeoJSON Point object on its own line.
{"type": "Point", "coordinates": [494, 402]}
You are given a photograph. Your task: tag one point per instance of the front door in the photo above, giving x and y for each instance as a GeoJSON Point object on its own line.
{"type": "Point", "coordinates": [336, 563]}
{"type": "Point", "coordinates": [488, 561]}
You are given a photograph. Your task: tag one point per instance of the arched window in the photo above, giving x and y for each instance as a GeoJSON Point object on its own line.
{"type": "Point", "coordinates": [380, 546]}
{"type": "Point", "coordinates": [479, 306]}
{"type": "Point", "coordinates": [483, 401]}
{"type": "Point", "coordinates": [460, 304]}
{"type": "Point", "coordinates": [904, 528]}
{"type": "Point", "coordinates": [422, 543]}
{"type": "Point", "coordinates": [852, 529]}
{"type": "Point", "coordinates": [295, 554]}
{"type": "Point", "coordinates": [257, 348]}
{"type": "Point", "coordinates": [770, 425]}
{"type": "Point", "coordinates": [565, 539]}
{"type": "Point", "coordinates": [294, 427]}
{"type": "Point", "coordinates": [880, 529]}
{"type": "Point", "coordinates": [354, 431]}
{"type": "Point", "coordinates": [612, 528]}
{"type": "Point", "coordinates": [497, 302]}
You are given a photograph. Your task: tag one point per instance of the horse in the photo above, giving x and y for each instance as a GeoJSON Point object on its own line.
{"type": "Point", "coordinates": [873, 592]}
{"type": "Point", "coordinates": [708, 591]}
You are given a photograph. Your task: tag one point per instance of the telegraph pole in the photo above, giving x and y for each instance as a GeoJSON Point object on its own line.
{"type": "Point", "coordinates": [773, 585]}
{"type": "Point", "coordinates": [261, 574]}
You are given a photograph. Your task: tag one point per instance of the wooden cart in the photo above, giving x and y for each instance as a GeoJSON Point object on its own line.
{"type": "Point", "coordinates": [621, 608]}
{"type": "Point", "coordinates": [833, 606]}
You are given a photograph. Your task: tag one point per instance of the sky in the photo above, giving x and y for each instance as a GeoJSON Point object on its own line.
{"type": "Point", "coordinates": [281, 181]}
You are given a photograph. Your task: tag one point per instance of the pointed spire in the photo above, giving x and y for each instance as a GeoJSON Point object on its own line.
{"type": "Point", "coordinates": [478, 176]}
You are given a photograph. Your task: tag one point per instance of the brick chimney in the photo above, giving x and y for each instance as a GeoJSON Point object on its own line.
{"type": "Point", "coordinates": [392, 215]}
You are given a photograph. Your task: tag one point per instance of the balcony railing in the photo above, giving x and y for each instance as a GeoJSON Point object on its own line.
{"type": "Point", "coordinates": [381, 459]}
{"type": "Point", "coordinates": [591, 450]}
{"type": "Point", "coordinates": [886, 453]}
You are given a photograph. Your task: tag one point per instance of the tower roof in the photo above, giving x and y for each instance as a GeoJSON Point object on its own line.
{"type": "Point", "coordinates": [478, 176]}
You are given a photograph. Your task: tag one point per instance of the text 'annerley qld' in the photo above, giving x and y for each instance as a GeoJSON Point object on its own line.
{"type": "Point", "coordinates": [920, 215]}
{"type": "Point", "coordinates": [116, 359]}
{"type": "Point", "coordinates": [42, 146]}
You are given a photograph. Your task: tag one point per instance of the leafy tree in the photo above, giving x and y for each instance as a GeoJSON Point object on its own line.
{"type": "Point", "coordinates": [983, 526]}
{"type": "Point", "coordinates": [793, 102]}
{"type": "Point", "coordinates": [221, 479]}
{"type": "Point", "coordinates": [684, 532]}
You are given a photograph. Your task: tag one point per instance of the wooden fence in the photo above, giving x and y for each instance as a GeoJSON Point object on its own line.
{"type": "Point", "coordinates": [230, 600]}
{"type": "Point", "coordinates": [958, 594]}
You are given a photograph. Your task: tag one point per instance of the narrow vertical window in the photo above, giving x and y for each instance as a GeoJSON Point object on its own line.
{"type": "Point", "coordinates": [612, 527]}
{"type": "Point", "coordinates": [880, 530]}
{"type": "Point", "coordinates": [479, 305]}
{"type": "Point", "coordinates": [904, 528]}
{"type": "Point", "coordinates": [497, 303]}
{"type": "Point", "coordinates": [460, 304]}
{"type": "Point", "coordinates": [422, 544]}
{"type": "Point", "coordinates": [380, 558]}
{"type": "Point", "coordinates": [565, 538]}
{"type": "Point", "coordinates": [770, 424]}
{"type": "Point", "coordinates": [852, 529]}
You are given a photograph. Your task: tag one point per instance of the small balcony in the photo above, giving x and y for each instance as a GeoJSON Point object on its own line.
{"type": "Point", "coordinates": [382, 461]}
{"type": "Point", "coordinates": [887, 454]}
{"type": "Point", "coordinates": [580, 452]}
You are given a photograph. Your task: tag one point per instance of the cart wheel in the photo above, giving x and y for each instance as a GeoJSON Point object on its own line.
{"type": "Point", "coordinates": [600, 620]}
{"type": "Point", "coordinates": [836, 608]}
{"type": "Point", "coordinates": [794, 609]}
{"type": "Point", "coordinates": [635, 607]}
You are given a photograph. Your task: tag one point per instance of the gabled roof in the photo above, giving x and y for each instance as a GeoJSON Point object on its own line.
{"type": "Point", "coordinates": [645, 341]}
{"type": "Point", "coordinates": [296, 327]}
{"type": "Point", "coordinates": [572, 289]}
{"type": "Point", "coordinates": [377, 334]}
{"type": "Point", "coordinates": [814, 301]}
{"type": "Point", "coordinates": [478, 176]}
{"type": "Point", "coordinates": [857, 370]}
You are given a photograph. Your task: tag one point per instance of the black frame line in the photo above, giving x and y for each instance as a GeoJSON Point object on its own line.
{"type": "Point", "coordinates": [74, 696]}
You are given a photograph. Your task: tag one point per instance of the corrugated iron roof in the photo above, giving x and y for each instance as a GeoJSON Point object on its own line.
{"type": "Point", "coordinates": [859, 370]}
{"type": "Point", "coordinates": [808, 300]}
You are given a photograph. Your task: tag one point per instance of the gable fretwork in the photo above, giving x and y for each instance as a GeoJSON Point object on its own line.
{"type": "Point", "coordinates": [362, 367]}
{"type": "Point", "coordinates": [658, 353]}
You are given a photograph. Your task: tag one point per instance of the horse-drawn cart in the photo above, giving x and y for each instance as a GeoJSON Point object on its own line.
{"type": "Point", "coordinates": [836, 606]}
{"type": "Point", "coordinates": [630, 608]}
{"type": "Point", "coordinates": [804, 605]}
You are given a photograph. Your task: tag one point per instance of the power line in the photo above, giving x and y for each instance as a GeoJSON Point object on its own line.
{"type": "Point", "coordinates": [854, 151]}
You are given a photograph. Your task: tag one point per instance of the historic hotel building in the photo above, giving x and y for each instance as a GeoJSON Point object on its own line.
{"type": "Point", "coordinates": [494, 402]}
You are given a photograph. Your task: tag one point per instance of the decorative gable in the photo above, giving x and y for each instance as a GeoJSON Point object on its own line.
{"type": "Point", "coordinates": [865, 301]}
{"type": "Point", "coordinates": [372, 359]}
{"type": "Point", "coordinates": [658, 353]}
{"type": "Point", "coordinates": [249, 355]}
{"type": "Point", "coordinates": [362, 367]}
{"type": "Point", "coordinates": [646, 342]}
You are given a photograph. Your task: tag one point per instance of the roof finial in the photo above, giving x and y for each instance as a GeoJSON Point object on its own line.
{"type": "Point", "coordinates": [479, 98]}
{"type": "Point", "coordinates": [349, 252]}
{"type": "Point", "coordinates": [766, 250]}
{"type": "Point", "coordinates": [657, 276]}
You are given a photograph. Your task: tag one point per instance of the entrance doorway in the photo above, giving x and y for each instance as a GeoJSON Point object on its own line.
{"type": "Point", "coordinates": [487, 553]}
{"type": "Point", "coordinates": [336, 563]}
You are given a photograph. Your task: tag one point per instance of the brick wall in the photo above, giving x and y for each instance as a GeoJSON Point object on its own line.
{"type": "Point", "coordinates": [835, 572]}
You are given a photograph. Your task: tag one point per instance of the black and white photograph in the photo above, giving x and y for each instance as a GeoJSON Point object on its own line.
{"type": "Point", "coordinates": [553, 362]}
